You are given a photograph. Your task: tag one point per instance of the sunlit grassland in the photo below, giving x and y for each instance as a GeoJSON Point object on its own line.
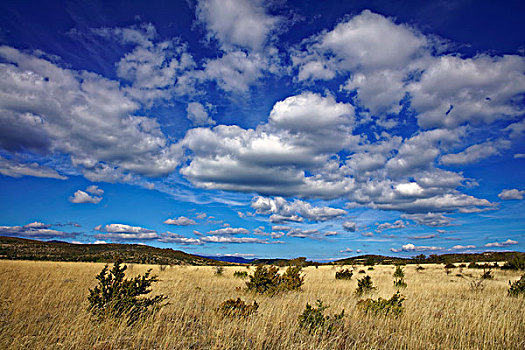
{"type": "Point", "coordinates": [43, 305]}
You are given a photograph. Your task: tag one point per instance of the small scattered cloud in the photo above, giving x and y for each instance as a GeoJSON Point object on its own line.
{"type": "Point", "coordinates": [181, 221]}
{"type": "Point", "coordinates": [501, 244]}
{"type": "Point", "coordinates": [512, 194]}
{"type": "Point", "coordinates": [125, 232]}
{"type": "Point", "coordinates": [349, 226]}
{"type": "Point", "coordinates": [12, 168]}
{"type": "Point", "coordinates": [83, 197]}
{"type": "Point", "coordinates": [198, 114]}
{"type": "Point", "coordinates": [35, 230]}
{"type": "Point", "coordinates": [389, 226]}
{"type": "Point", "coordinates": [94, 190]}
{"type": "Point", "coordinates": [413, 248]}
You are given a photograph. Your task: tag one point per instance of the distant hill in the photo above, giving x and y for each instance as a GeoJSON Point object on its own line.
{"type": "Point", "coordinates": [28, 249]}
{"type": "Point", "coordinates": [231, 259]}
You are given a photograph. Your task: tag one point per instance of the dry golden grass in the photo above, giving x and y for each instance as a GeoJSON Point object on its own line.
{"type": "Point", "coordinates": [43, 306]}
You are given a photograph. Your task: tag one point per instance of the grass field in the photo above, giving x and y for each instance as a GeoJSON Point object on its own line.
{"type": "Point", "coordinates": [43, 305]}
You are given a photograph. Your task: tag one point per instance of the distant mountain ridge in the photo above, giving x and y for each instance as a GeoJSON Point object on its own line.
{"type": "Point", "coordinates": [28, 249]}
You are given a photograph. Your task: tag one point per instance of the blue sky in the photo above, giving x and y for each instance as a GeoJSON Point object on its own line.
{"type": "Point", "coordinates": [268, 129]}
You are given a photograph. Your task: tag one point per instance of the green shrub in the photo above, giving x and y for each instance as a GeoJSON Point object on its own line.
{"type": "Point", "coordinates": [267, 280]}
{"type": "Point", "coordinates": [381, 306]}
{"type": "Point", "coordinates": [399, 276]}
{"type": "Point", "coordinates": [450, 266]}
{"type": "Point", "coordinates": [364, 285]}
{"type": "Point", "coordinates": [515, 263]}
{"type": "Point", "coordinates": [399, 272]}
{"type": "Point", "coordinates": [219, 270]}
{"type": "Point", "coordinates": [313, 319]}
{"type": "Point", "coordinates": [518, 287]}
{"type": "Point", "coordinates": [115, 296]}
{"type": "Point", "coordinates": [291, 279]}
{"type": "Point", "coordinates": [344, 274]}
{"type": "Point", "coordinates": [236, 308]}
{"type": "Point", "coordinates": [240, 274]}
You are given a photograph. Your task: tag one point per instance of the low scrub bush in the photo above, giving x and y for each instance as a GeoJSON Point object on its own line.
{"type": "Point", "coordinates": [364, 286]}
{"type": "Point", "coordinates": [344, 274]}
{"type": "Point", "coordinates": [240, 274]}
{"type": "Point", "coordinates": [362, 271]}
{"type": "Point", "coordinates": [515, 263]}
{"type": "Point", "coordinates": [487, 274]}
{"type": "Point", "coordinates": [115, 296]}
{"type": "Point", "coordinates": [236, 308]}
{"type": "Point", "coordinates": [268, 280]}
{"type": "Point", "coordinates": [313, 319]}
{"type": "Point", "coordinates": [518, 287]}
{"type": "Point", "coordinates": [381, 306]}
{"type": "Point", "coordinates": [219, 271]}
{"type": "Point", "coordinates": [399, 276]}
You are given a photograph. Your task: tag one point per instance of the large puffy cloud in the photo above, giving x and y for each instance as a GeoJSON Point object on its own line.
{"type": "Point", "coordinates": [240, 23]}
{"type": "Point", "coordinates": [283, 211]}
{"type": "Point", "coordinates": [154, 69]}
{"type": "Point", "coordinates": [273, 158]}
{"type": "Point", "coordinates": [366, 42]}
{"type": "Point", "coordinates": [35, 230]}
{"type": "Point", "coordinates": [80, 114]}
{"type": "Point", "coordinates": [385, 62]}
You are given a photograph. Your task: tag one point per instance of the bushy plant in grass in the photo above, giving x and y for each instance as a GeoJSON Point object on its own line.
{"type": "Point", "coordinates": [218, 271]}
{"type": "Point", "coordinates": [344, 274]}
{"type": "Point", "coordinates": [399, 276]}
{"type": "Point", "coordinates": [517, 288]}
{"type": "Point", "coordinates": [362, 271]}
{"type": "Point", "coordinates": [364, 286]}
{"type": "Point", "coordinates": [268, 280]}
{"type": "Point", "coordinates": [240, 274]}
{"type": "Point", "coordinates": [381, 306]}
{"type": "Point", "coordinates": [236, 308]}
{"type": "Point", "coordinates": [514, 263]}
{"type": "Point", "coordinates": [115, 296]}
{"type": "Point", "coordinates": [291, 279]}
{"type": "Point", "coordinates": [314, 320]}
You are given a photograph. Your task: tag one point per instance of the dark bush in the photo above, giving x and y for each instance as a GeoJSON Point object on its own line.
{"type": "Point", "coordinates": [115, 296]}
{"type": "Point", "coordinates": [364, 285]}
{"type": "Point", "coordinates": [291, 279]}
{"type": "Point", "coordinates": [240, 274]}
{"type": "Point", "coordinates": [313, 319]}
{"type": "Point", "coordinates": [267, 280]}
{"type": "Point", "coordinates": [219, 270]}
{"type": "Point", "coordinates": [236, 308]}
{"type": "Point", "coordinates": [362, 271]}
{"type": "Point", "coordinates": [344, 274]}
{"type": "Point", "coordinates": [515, 263]}
{"type": "Point", "coordinates": [392, 306]}
{"type": "Point", "coordinates": [399, 276]}
{"type": "Point", "coordinates": [450, 266]}
{"type": "Point", "coordinates": [518, 287]}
